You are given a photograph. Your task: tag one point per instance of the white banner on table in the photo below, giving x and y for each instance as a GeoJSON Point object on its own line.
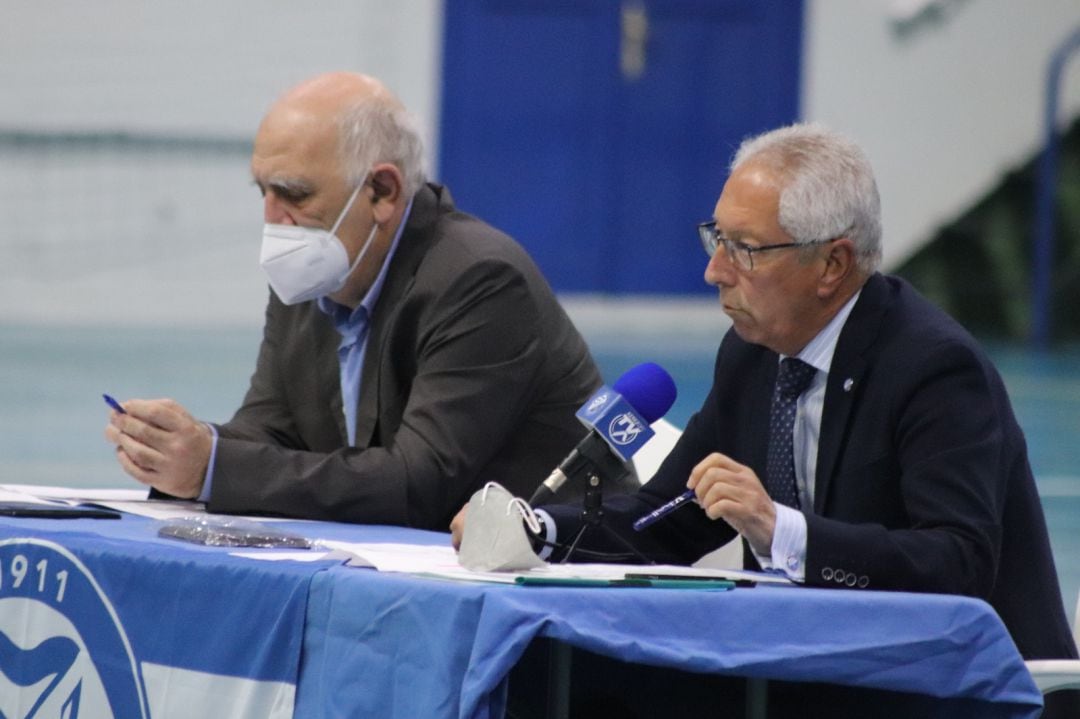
{"type": "Point", "coordinates": [181, 694]}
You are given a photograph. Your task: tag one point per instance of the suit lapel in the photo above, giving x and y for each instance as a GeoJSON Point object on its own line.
{"type": "Point", "coordinates": [849, 365]}
{"type": "Point", "coordinates": [765, 381]}
{"type": "Point", "coordinates": [415, 241]}
{"type": "Point", "coordinates": [328, 369]}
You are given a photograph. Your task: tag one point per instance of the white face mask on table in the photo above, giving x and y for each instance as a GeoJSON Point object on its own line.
{"type": "Point", "coordinates": [303, 263]}
{"type": "Point", "coordinates": [495, 538]}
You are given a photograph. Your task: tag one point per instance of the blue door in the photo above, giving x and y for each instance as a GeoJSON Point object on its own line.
{"type": "Point", "coordinates": [598, 132]}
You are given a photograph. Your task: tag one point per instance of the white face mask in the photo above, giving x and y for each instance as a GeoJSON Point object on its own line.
{"type": "Point", "coordinates": [495, 539]}
{"type": "Point", "coordinates": [303, 263]}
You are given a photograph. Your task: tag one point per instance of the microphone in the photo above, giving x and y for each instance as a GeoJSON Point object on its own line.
{"type": "Point", "coordinates": [618, 419]}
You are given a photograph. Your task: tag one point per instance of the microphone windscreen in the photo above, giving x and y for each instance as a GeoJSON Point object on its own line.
{"type": "Point", "coordinates": [649, 389]}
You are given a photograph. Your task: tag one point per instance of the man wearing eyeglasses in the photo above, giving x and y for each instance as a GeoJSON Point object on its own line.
{"type": "Point", "coordinates": [855, 436]}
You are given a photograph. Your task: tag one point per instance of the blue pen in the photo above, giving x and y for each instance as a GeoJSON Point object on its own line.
{"type": "Point", "coordinates": [113, 403]}
{"type": "Point", "coordinates": [663, 510]}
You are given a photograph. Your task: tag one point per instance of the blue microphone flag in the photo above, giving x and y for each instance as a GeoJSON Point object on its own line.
{"type": "Point", "coordinates": [612, 417]}
{"type": "Point", "coordinates": [622, 414]}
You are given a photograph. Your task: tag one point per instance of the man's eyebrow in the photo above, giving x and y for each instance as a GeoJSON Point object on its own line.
{"type": "Point", "coordinates": [288, 186]}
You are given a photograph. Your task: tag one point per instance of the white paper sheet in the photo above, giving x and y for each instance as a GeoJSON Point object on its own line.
{"type": "Point", "coordinates": [11, 495]}
{"type": "Point", "coordinates": [78, 495]}
{"type": "Point", "coordinates": [441, 561]}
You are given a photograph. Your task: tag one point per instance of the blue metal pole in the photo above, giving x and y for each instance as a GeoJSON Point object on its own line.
{"type": "Point", "coordinates": [1045, 195]}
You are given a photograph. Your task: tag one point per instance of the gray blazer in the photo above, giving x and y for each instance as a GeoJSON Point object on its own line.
{"type": "Point", "coordinates": [472, 373]}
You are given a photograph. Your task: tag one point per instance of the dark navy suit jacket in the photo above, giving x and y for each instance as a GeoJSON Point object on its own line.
{"type": "Point", "coordinates": [922, 484]}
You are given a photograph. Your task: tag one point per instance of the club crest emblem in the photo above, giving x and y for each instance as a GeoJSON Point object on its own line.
{"type": "Point", "coordinates": [63, 651]}
{"type": "Point", "coordinates": [625, 428]}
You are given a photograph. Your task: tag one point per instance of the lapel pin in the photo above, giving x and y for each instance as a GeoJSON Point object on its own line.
{"type": "Point", "coordinates": [848, 384]}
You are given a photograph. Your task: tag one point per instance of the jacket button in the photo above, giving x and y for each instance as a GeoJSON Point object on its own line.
{"type": "Point", "coordinates": [863, 581]}
{"type": "Point", "coordinates": [839, 576]}
{"type": "Point", "coordinates": [851, 579]}
{"type": "Point", "coordinates": [826, 573]}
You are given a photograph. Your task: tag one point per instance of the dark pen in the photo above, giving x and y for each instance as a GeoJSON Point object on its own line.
{"type": "Point", "coordinates": [663, 510]}
{"type": "Point", "coordinates": [113, 403]}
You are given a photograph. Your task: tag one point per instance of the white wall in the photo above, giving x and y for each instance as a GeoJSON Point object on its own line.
{"type": "Point", "coordinates": [106, 237]}
{"type": "Point", "coordinates": [943, 111]}
{"type": "Point", "coordinates": [203, 67]}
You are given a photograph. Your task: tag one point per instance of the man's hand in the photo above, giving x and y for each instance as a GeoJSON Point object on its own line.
{"type": "Point", "coordinates": [731, 491]}
{"type": "Point", "coordinates": [457, 527]}
{"type": "Point", "coordinates": [161, 445]}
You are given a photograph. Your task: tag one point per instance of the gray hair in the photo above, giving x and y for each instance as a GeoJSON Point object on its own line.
{"type": "Point", "coordinates": [377, 129]}
{"type": "Point", "coordinates": [827, 187]}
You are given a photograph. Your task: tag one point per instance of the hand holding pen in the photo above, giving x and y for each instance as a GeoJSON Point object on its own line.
{"type": "Point", "coordinates": [160, 444]}
{"type": "Point", "coordinates": [713, 461]}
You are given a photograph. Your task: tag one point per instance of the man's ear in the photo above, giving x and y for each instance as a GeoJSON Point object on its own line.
{"type": "Point", "coordinates": [386, 184]}
{"type": "Point", "coordinates": [840, 262]}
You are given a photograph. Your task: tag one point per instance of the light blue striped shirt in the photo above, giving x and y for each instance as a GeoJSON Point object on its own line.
{"type": "Point", "coordinates": [789, 536]}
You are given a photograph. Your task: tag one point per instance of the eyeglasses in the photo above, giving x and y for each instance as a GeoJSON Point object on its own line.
{"type": "Point", "coordinates": [741, 253]}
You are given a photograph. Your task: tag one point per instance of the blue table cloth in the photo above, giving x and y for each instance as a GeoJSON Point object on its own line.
{"type": "Point", "coordinates": [139, 622]}
{"type": "Point", "coordinates": [439, 648]}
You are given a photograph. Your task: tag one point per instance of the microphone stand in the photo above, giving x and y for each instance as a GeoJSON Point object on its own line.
{"type": "Point", "coordinates": [592, 515]}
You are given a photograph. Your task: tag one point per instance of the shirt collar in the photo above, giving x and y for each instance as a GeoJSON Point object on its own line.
{"type": "Point", "coordinates": [818, 353]}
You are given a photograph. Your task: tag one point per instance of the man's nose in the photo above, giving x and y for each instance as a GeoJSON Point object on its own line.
{"type": "Point", "coordinates": [275, 212]}
{"type": "Point", "coordinates": [720, 270]}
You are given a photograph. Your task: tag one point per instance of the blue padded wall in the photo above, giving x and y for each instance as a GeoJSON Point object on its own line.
{"type": "Point", "coordinates": [600, 168]}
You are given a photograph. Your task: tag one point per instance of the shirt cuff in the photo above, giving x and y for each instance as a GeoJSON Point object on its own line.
{"type": "Point", "coordinates": [547, 529]}
{"type": "Point", "coordinates": [789, 543]}
{"type": "Point", "coordinates": [208, 479]}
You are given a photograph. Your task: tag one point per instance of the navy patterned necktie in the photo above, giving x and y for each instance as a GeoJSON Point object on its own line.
{"type": "Point", "coordinates": [792, 379]}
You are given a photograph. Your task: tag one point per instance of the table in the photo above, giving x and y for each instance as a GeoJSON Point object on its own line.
{"type": "Point", "coordinates": [163, 628]}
